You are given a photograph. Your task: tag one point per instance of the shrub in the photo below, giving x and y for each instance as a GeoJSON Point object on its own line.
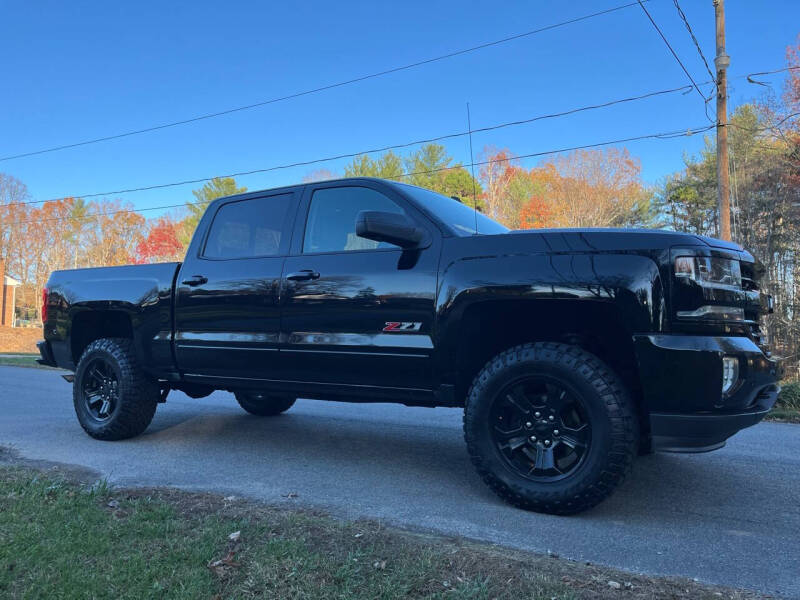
{"type": "Point", "coordinates": [790, 396]}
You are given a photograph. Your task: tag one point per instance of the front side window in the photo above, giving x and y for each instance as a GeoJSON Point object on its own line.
{"type": "Point", "coordinates": [248, 228]}
{"type": "Point", "coordinates": [331, 224]}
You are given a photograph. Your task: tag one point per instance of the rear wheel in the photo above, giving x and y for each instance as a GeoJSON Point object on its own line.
{"type": "Point", "coordinates": [550, 428]}
{"type": "Point", "coordinates": [114, 398]}
{"type": "Point", "coordinates": [264, 405]}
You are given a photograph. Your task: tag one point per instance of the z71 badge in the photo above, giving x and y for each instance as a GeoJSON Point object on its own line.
{"type": "Point", "coordinates": [402, 327]}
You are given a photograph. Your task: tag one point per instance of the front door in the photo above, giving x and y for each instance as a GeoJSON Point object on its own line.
{"type": "Point", "coordinates": [355, 311]}
{"type": "Point", "coordinates": [227, 314]}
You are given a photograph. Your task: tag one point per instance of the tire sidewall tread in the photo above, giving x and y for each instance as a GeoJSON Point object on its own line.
{"type": "Point", "coordinates": [138, 392]}
{"type": "Point", "coordinates": [611, 410]}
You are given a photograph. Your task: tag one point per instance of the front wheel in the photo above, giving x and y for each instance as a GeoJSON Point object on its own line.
{"type": "Point", "coordinates": [550, 428]}
{"type": "Point", "coordinates": [114, 398]}
{"type": "Point", "coordinates": [264, 405]}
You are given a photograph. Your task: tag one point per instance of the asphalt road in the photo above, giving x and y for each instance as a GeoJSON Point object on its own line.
{"type": "Point", "coordinates": [730, 517]}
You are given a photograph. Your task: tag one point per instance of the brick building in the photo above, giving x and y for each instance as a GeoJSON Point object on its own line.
{"type": "Point", "coordinates": [8, 294]}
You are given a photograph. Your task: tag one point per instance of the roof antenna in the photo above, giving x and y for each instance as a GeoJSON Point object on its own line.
{"type": "Point", "coordinates": [472, 165]}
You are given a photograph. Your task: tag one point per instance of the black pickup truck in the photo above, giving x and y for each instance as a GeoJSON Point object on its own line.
{"type": "Point", "coordinates": [570, 350]}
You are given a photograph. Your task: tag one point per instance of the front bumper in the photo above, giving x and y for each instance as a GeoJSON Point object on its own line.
{"type": "Point", "coordinates": [681, 378]}
{"type": "Point", "coordinates": [705, 432]}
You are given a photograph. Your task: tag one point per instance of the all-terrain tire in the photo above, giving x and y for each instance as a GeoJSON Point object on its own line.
{"type": "Point", "coordinates": [138, 393]}
{"type": "Point", "coordinates": [264, 405]}
{"type": "Point", "coordinates": [610, 414]}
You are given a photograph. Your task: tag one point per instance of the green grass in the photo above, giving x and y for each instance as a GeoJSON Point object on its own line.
{"type": "Point", "coordinates": [61, 540]}
{"type": "Point", "coordinates": [21, 360]}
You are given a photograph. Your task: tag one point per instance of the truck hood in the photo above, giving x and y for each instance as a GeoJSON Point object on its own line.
{"type": "Point", "coordinates": [604, 240]}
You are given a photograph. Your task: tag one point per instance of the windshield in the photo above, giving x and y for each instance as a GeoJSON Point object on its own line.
{"type": "Point", "coordinates": [460, 217]}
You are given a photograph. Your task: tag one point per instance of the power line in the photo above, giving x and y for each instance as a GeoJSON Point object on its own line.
{"type": "Point", "coordinates": [663, 136]}
{"type": "Point", "coordinates": [682, 89]}
{"type": "Point", "coordinates": [675, 55]}
{"type": "Point", "coordinates": [750, 76]}
{"type": "Point", "coordinates": [324, 87]}
{"type": "Point", "coordinates": [694, 39]}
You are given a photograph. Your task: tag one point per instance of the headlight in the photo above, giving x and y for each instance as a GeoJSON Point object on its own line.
{"type": "Point", "coordinates": [709, 288]}
{"type": "Point", "coordinates": [709, 270]}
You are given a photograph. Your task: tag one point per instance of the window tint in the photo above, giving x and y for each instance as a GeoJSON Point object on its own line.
{"type": "Point", "coordinates": [331, 225]}
{"type": "Point", "coordinates": [248, 228]}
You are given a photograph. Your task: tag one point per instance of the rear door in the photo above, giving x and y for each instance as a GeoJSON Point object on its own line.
{"type": "Point", "coordinates": [355, 311]}
{"type": "Point", "coordinates": [227, 319]}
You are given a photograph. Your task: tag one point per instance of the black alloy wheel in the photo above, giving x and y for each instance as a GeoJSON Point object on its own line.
{"type": "Point", "coordinates": [100, 390]}
{"type": "Point", "coordinates": [540, 428]}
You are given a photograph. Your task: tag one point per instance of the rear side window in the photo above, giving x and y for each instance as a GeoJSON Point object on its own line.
{"type": "Point", "coordinates": [331, 225]}
{"type": "Point", "coordinates": [248, 228]}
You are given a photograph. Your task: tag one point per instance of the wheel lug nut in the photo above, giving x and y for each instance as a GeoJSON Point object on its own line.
{"type": "Point", "coordinates": [547, 442]}
{"type": "Point", "coordinates": [528, 424]}
{"type": "Point", "coordinates": [537, 414]}
{"type": "Point", "coordinates": [551, 417]}
{"type": "Point", "coordinates": [533, 438]}
{"type": "Point", "coordinates": [555, 432]}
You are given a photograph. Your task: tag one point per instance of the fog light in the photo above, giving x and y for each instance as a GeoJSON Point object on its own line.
{"type": "Point", "coordinates": [730, 373]}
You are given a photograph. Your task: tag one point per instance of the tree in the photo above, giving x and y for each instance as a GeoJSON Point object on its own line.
{"type": "Point", "coordinates": [429, 167]}
{"type": "Point", "coordinates": [115, 230]}
{"type": "Point", "coordinates": [426, 166]}
{"type": "Point", "coordinates": [597, 188]}
{"type": "Point", "coordinates": [45, 243]}
{"type": "Point", "coordinates": [388, 166]}
{"type": "Point", "coordinates": [162, 243]}
{"type": "Point", "coordinates": [218, 187]}
{"type": "Point", "coordinates": [688, 201]}
{"type": "Point", "coordinates": [536, 214]}
{"type": "Point", "coordinates": [507, 186]}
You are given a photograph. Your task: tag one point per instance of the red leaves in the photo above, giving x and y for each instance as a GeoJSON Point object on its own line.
{"type": "Point", "coordinates": [161, 244]}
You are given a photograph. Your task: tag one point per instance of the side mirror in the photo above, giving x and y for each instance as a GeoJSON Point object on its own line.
{"type": "Point", "coordinates": [392, 228]}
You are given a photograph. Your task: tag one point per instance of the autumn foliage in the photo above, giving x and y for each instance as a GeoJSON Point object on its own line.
{"type": "Point", "coordinates": [584, 188]}
{"type": "Point", "coordinates": [536, 214]}
{"type": "Point", "coordinates": [162, 243]}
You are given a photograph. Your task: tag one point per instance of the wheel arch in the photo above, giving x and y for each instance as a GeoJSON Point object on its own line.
{"type": "Point", "coordinates": [90, 325]}
{"type": "Point", "coordinates": [489, 327]}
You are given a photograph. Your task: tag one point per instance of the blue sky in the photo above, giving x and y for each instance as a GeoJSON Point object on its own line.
{"type": "Point", "coordinates": [74, 71]}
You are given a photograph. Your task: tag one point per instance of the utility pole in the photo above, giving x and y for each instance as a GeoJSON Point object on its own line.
{"type": "Point", "coordinates": [721, 63]}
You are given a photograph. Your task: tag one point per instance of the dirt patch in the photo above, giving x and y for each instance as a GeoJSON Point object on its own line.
{"type": "Point", "coordinates": [19, 339]}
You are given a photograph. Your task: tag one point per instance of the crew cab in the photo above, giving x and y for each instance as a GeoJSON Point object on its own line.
{"type": "Point", "coordinates": [570, 350]}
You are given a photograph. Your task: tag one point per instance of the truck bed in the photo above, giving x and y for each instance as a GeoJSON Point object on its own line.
{"type": "Point", "coordinates": [143, 292]}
